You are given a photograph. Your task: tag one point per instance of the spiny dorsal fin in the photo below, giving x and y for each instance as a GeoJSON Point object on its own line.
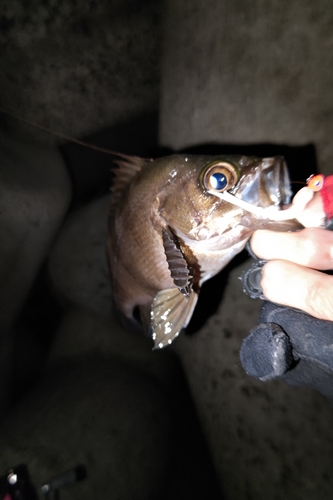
{"type": "Point", "coordinates": [170, 312]}
{"type": "Point", "coordinates": [179, 270]}
{"type": "Point", "coordinates": [128, 167]}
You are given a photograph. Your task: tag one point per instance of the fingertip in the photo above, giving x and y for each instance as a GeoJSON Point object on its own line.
{"type": "Point", "coordinates": [259, 241]}
{"type": "Point", "coordinates": [302, 198]}
{"type": "Point", "coordinates": [292, 285]}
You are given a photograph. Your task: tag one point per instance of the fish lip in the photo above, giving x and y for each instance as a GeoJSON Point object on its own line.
{"type": "Point", "coordinates": [265, 183]}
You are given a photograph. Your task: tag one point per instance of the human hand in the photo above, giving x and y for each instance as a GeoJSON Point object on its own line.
{"type": "Point", "coordinates": [288, 343]}
{"type": "Point", "coordinates": [292, 276]}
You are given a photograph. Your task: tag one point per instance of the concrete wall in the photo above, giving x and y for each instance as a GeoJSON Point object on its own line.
{"type": "Point", "coordinates": [224, 72]}
{"type": "Point", "coordinates": [248, 72]}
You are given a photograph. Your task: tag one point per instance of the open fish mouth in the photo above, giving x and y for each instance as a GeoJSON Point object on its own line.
{"type": "Point", "coordinates": [265, 183]}
{"type": "Point", "coordinates": [263, 189]}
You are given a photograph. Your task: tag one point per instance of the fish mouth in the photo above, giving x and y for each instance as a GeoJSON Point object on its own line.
{"type": "Point", "coordinates": [265, 183]}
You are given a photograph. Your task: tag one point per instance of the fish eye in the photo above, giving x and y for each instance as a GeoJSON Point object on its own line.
{"type": "Point", "coordinates": [219, 176]}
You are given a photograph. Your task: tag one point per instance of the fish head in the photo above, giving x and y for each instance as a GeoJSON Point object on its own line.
{"type": "Point", "coordinates": [264, 182]}
{"type": "Point", "coordinates": [193, 211]}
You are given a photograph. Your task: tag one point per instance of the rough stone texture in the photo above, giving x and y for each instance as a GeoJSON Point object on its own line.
{"type": "Point", "coordinates": [78, 258]}
{"type": "Point", "coordinates": [104, 415]}
{"type": "Point", "coordinates": [232, 73]}
{"type": "Point", "coordinates": [248, 73]}
{"type": "Point", "coordinates": [77, 67]}
{"type": "Point", "coordinates": [83, 333]}
{"type": "Point", "coordinates": [35, 195]}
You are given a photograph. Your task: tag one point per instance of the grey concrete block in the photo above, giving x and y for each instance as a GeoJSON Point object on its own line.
{"type": "Point", "coordinates": [83, 333]}
{"type": "Point", "coordinates": [77, 263]}
{"type": "Point", "coordinates": [105, 415]}
{"type": "Point", "coordinates": [237, 72]}
{"type": "Point", "coordinates": [78, 67]}
{"type": "Point", "coordinates": [35, 194]}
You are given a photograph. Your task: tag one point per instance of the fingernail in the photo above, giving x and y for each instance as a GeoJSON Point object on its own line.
{"type": "Point", "coordinates": [251, 279]}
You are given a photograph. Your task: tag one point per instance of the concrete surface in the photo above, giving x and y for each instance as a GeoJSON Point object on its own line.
{"type": "Point", "coordinates": [77, 67]}
{"type": "Point", "coordinates": [98, 413]}
{"type": "Point", "coordinates": [231, 73]}
{"type": "Point", "coordinates": [237, 72]}
{"type": "Point", "coordinates": [79, 258]}
{"type": "Point", "coordinates": [35, 189]}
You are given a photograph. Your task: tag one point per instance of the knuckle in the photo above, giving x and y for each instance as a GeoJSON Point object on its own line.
{"type": "Point", "coordinates": [308, 249]}
{"type": "Point", "coordinates": [319, 300]}
{"type": "Point", "coordinates": [315, 247]}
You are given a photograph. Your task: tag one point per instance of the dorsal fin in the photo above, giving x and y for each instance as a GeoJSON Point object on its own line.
{"type": "Point", "coordinates": [128, 167]}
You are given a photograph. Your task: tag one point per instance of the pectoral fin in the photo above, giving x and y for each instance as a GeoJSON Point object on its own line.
{"type": "Point", "coordinates": [170, 312]}
{"type": "Point", "coordinates": [179, 270]}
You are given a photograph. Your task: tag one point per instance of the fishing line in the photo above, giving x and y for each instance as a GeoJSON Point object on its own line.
{"type": "Point", "coordinates": [71, 139]}
{"type": "Point", "coordinates": [298, 182]}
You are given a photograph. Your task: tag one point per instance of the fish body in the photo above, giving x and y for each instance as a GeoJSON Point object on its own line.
{"type": "Point", "coordinates": [168, 234]}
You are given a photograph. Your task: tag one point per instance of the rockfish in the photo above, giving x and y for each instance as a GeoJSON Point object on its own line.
{"type": "Point", "coordinates": [170, 229]}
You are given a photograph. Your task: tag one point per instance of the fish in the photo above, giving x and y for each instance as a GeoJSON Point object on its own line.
{"type": "Point", "coordinates": [170, 229]}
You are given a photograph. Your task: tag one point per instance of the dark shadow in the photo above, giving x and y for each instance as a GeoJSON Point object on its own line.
{"type": "Point", "coordinates": [211, 295]}
{"type": "Point", "coordinates": [191, 473]}
{"type": "Point", "coordinates": [91, 170]}
{"type": "Point", "coordinates": [35, 329]}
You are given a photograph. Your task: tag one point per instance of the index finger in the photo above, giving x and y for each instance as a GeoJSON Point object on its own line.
{"type": "Point", "coordinates": [311, 247]}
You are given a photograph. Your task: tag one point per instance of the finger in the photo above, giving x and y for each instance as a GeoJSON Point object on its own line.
{"type": "Point", "coordinates": [292, 285]}
{"type": "Point", "coordinates": [311, 247]}
{"type": "Point", "coordinates": [309, 207]}
{"type": "Point", "coordinates": [302, 198]}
